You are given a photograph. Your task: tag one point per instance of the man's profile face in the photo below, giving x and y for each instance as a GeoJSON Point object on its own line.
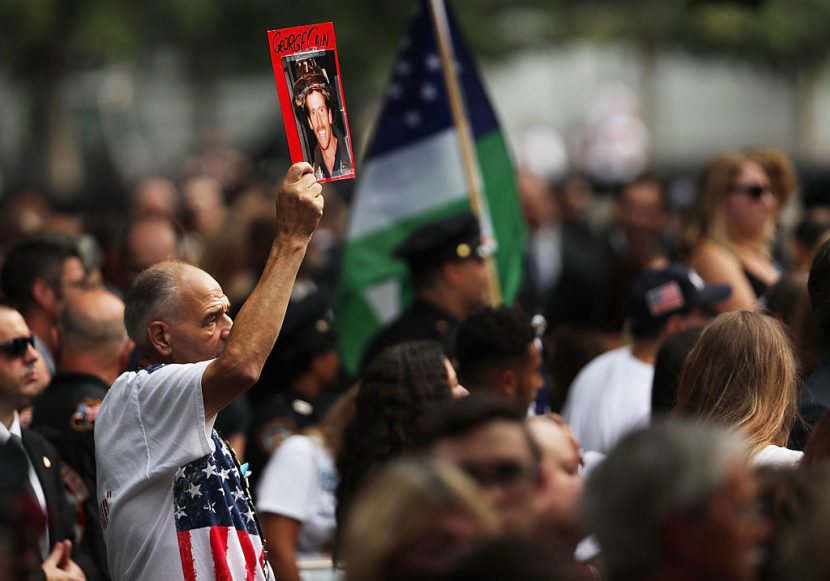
{"type": "Point", "coordinates": [530, 376]}
{"type": "Point", "coordinates": [19, 377]}
{"type": "Point", "coordinates": [202, 323]}
{"type": "Point", "coordinates": [319, 118]}
{"type": "Point", "coordinates": [497, 455]}
{"type": "Point", "coordinates": [474, 284]}
{"type": "Point", "coordinates": [72, 281]}
{"type": "Point", "coordinates": [559, 505]}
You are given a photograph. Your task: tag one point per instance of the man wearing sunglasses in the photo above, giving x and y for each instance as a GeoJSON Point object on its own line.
{"type": "Point", "coordinates": [173, 502]}
{"type": "Point", "coordinates": [486, 436]}
{"type": "Point", "coordinates": [20, 381]}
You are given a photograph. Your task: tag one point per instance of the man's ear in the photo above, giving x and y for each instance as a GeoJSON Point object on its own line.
{"type": "Point", "coordinates": [44, 295]}
{"type": "Point", "coordinates": [508, 382]}
{"type": "Point", "coordinates": [308, 120]}
{"type": "Point", "coordinates": [159, 338]}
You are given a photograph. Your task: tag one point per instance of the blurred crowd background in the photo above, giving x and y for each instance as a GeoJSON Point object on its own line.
{"type": "Point", "coordinates": [98, 95]}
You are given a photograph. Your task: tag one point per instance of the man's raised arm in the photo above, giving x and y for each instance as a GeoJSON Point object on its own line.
{"type": "Point", "coordinates": [299, 208]}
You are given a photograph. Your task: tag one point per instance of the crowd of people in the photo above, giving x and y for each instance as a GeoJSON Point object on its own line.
{"type": "Point", "coordinates": [653, 406]}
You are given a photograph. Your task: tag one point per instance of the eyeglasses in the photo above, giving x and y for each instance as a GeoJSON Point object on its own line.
{"type": "Point", "coordinates": [17, 347]}
{"type": "Point", "coordinates": [753, 191]}
{"type": "Point", "coordinates": [500, 474]}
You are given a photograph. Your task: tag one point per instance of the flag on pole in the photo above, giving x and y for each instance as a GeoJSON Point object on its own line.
{"type": "Point", "coordinates": [412, 174]}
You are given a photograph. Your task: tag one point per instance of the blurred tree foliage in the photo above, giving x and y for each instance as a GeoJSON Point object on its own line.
{"type": "Point", "coordinates": [215, 37]}
{"type": "Point", "coordinates": [41, 41]}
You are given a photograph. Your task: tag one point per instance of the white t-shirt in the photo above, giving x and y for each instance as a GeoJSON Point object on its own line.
{"type": "Point", "coordinates": [299, 482]}
{"type": "Point", "coordinates": [610, 397]}
{"type": "Point", "coordinates": [774, 455]}
{"type": "Point", "coordinates": [171, 501]}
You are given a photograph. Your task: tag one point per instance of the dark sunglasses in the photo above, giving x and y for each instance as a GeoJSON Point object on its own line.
{"type": "Point", "coordinates": [755, 191]}
{"type": "Point", "coordinates": [499, 474]}
{"type": "Point", "coordinates": [17, 347]}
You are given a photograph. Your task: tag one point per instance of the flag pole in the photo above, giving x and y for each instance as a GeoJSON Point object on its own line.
{"type": "Point", "coordinates": [472, 172]}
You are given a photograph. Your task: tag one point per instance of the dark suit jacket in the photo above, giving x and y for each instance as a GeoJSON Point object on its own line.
{"type": "Point", "coordinates": [61, 512]}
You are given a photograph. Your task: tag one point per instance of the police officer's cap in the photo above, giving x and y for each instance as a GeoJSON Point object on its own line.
{"type": "Point", "coordinates": [450, 239]}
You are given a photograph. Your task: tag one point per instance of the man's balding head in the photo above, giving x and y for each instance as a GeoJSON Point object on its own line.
{"type": "Point", "coordinates": [153, 295]}
{"type": "Point", "coordinates": [92, 321]}
{"type": "Point", "coordinates": [177, 313]}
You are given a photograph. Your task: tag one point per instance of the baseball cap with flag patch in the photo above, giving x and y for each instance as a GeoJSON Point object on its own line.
{"type": "Point", "coordinates": [657, 294]}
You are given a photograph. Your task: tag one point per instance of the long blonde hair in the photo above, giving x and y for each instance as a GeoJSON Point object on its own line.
{"type": "Point", "coordinates": [741, 373]}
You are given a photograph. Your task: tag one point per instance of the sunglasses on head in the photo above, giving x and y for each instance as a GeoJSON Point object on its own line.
{"type": "Point", "coordinates": [754, 191]}
{"type": "Point", "coordinates": [17, 346]}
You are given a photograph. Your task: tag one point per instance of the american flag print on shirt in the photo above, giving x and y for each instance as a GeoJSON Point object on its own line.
{"type": "Point", "coordinates": [218, 533]}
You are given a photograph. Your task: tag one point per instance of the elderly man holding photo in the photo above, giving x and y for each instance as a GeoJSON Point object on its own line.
{"type": "Point", "coordinates": [173, 502]}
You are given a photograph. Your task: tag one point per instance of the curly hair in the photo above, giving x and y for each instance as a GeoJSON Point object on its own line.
{"type": "Point", "coordinates": [396, 389]}
{"type": "Point", "coordinates": [490, 338]}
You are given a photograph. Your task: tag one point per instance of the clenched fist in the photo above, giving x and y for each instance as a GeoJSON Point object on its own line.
{"type": "Point", "coordinates": [299, 202]}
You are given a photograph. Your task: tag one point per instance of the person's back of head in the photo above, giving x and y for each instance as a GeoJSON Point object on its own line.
{"type": "Point", "coordinates": [649, 491]}
{"type": "Point", "coordinates": [92, 333]}
{"type": "Point", "coordinates": [741, 372]}
{"type": "Point", "coordinates": [665, 300]}
{"type": "Point", "coordinates": [461, 416]}
{"type": "Point", "coordinates": [493, 345]}
{"type": "Point", "coordinates": [667, 369]}
{"type": "Point", "coordinates": [401, 385]}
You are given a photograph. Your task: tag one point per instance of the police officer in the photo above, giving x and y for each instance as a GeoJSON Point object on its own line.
{"type": "Point", "coordinates": [446, 261]}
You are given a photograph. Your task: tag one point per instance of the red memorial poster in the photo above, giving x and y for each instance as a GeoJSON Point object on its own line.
{"type": "Point", "coordinates": [307, 73]}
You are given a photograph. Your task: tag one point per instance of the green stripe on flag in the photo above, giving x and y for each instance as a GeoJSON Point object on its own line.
{"type": "Point", "coordinates": [508, 223]}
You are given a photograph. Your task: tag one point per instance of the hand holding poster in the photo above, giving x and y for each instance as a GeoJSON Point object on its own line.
{"type": "Point", "coordinates": [307, 73]}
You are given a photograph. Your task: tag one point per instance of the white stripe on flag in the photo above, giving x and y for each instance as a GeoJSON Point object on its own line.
{"type": "Point", "coordinates": [384, 299]}
{"type": "Point", "coordinates": [408, 182]}
{"type": "Point", "coordinates": [202, 554]}
{"type": "Point", "coordinates": [203, 558]}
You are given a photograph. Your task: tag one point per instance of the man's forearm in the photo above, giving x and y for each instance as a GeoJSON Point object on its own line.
{"type": "Point", "coordinates": [299, 207]}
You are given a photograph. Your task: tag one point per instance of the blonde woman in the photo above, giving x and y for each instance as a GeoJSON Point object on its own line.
{"type": "Point", "coordinates": [731, 228]}
{"type": "Point", "coordinates": [741, 373]}
{"type": "Point", "coordinates": [413, 521]}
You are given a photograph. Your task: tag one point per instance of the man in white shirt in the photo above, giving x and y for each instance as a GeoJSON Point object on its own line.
{"type": "Point", "coordinates": [172, 500]}
{"type": "Point", "coordinates": [612, 394]}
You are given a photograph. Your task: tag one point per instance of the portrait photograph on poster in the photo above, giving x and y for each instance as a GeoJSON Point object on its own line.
{"type": "Point", "coordinates": [307, 74]}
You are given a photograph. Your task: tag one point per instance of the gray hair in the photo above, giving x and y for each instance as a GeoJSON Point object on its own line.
{"type": "Point", "coordinates": [80, 332]}
{"type": "Point", "coordinates": [153, 295]}
{"type": "Point", "coordinates": [672, 467]}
